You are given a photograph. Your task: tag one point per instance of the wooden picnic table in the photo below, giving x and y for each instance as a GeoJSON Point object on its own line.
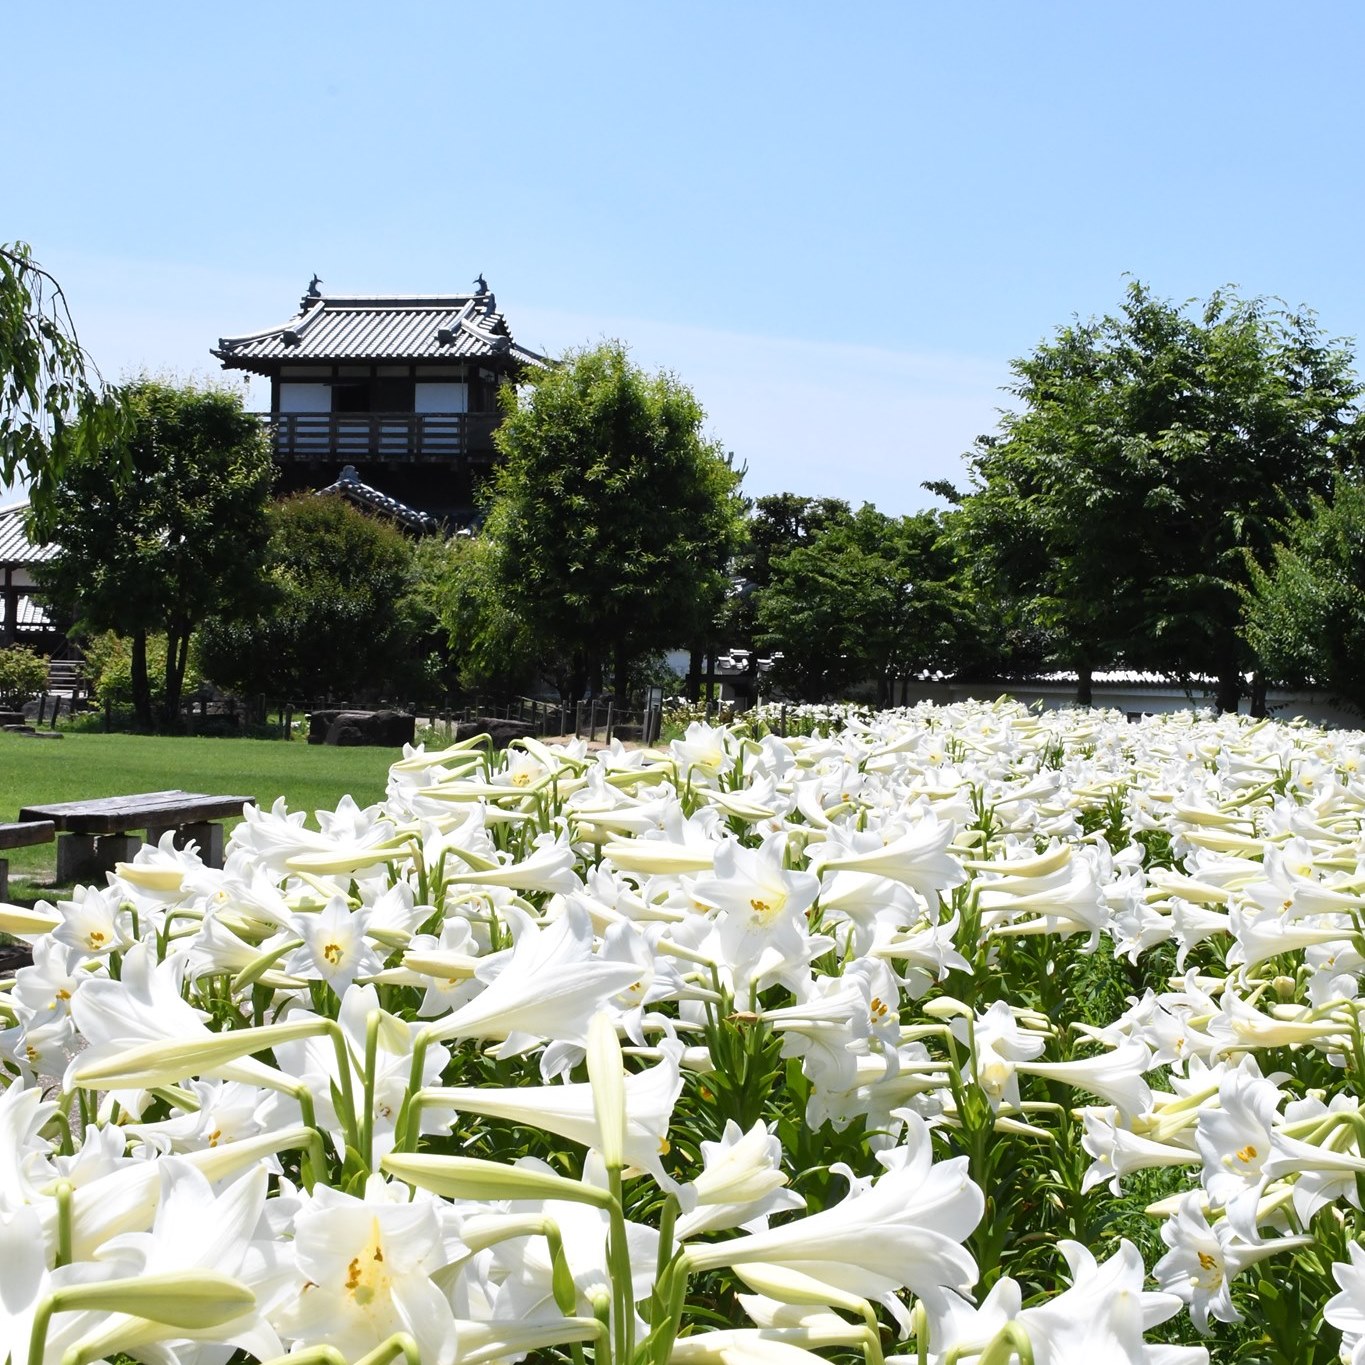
{"type": "Point", "coordinates": [21, 835]}
{"type": "Point", "coordinates": [94, 835]}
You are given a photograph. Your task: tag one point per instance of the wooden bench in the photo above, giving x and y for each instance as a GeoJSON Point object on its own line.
{"type": "Point", "coordinates": [95, 834]}
{"type": "Point", "coordinates": [21, 834]}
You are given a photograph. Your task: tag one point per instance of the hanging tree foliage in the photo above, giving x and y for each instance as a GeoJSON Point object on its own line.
{"type": "Point", "coordinates": [53, 406]}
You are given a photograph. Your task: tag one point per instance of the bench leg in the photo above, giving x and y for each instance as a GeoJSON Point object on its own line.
{"type": "Point", "coordinates": [76, 859]}
{"type": "Point", "coordinates": [207, 834]}
{"type": "Point", "coordinates": [4, 879]}
{"type": "Point", "coordinates": [112, 849]}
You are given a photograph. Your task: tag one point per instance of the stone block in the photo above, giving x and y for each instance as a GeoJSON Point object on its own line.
{"type": "Point", "coordinates": [386, 729]}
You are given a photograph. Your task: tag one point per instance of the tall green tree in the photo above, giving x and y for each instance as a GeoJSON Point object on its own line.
{"type": "Point", "coordinates": [1152, 455]}
{"type": "Point", "coordinates": [164, 528]}
{"type": "Point", "coordinates": [52, 404]}
{"type": "Point", "coordinates": [869, 598]}
{"type": "Point", "coordinates": [1306, 611]}
{"type": "Point", "coordinates": [613, 518]}
{"type": "Point", "coordinates": [328, 625]}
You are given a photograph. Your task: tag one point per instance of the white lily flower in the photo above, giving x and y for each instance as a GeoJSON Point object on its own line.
{"type": "Point", "coordinates": [999, 1045]}
{"type": "Point", "coordinates": [364, 1269]}
{"type": "Point", "coordinates": [741, 1184]}
{"type": "Point", "coordinates": [1235, 1141]}
{"type": "Point", "coordinates": [1204, 1260]}
{"type": "Point", "coordinates": [913, 852]}
{"type": "Point", "coordinates": [275, 838]}
{"type": "Point", "coordinates": [1118, 1151]}
{"type": "Point", "coordinates": [142, 1009]}
{"type": "Point", "coordinates": [197, 1229]}
{"type": "Point", "coordinates": [761, 907]}
{"type": "Point", "coordinates": [905, 1230]}
{"type": "Point", "coordinates": [549, 986]}
{"type": "Point", "coordinates": [1115, 1076]}
{"type": "Point", "coordinates": [335, 949]}
{"type": "Point", "coordinates": [1346, 1310]}
{"type": "Point", "coordinates": [703, 754]}
{"type": "Point", "coordinates": [24, 1165]}
{"type": "Point", "coordinates": [93, 922]}
{"type": "Point", "coordinates": [570, 1111]}
{"type": "Point", "coordinates": [1104, 1314]}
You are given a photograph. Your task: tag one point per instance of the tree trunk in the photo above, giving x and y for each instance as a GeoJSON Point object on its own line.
{"type": "Point", "coordinates": [692, 689]}
{"type": "Point", "coordinates": [621, 673]}
{"type": "Point", "coordinates": [1085, 690]}
{"type": "Point", "coordinates": [578, 679]}
{"type": "Point", "coordinates": [142, 687]}
{"type": "Point", "coordinates": [1259, 707]}
{"type": "Point", "coordinates": [177, 655]}
{"type": "Point", "coordinates": [1229, 691]}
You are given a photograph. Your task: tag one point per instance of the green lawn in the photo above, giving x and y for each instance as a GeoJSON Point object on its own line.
{"type": "Point", "coordinates": [308, 776]}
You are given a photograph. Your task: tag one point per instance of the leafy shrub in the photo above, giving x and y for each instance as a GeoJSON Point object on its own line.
{"type": "Point", "coordinates": [23, 674]}
{"type": "Point", "coordinates": [109, 663]}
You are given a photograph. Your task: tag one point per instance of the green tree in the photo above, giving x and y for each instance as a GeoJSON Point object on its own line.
{"type": "Point", "coordinates": [1151, 457]}
{"type": "Point", "coordinates": [1306, 612]}
{"type": "Point", "coordinates": [781, 522]}
{"type": "Point", "coordinates": [613, 519]}
{"type": "Point", "coordinates": [457, 596]}
{"type": "Point", "coordinates": [165, 528]}
{"type": "Point", "coordinates": [52, 409]}
{"type": "Point", "coordinates": [328, 625]}
{"type": "Point", "coordinates": [870, 597]}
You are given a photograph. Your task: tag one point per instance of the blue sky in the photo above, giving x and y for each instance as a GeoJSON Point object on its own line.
{"type": "Point", "coordinates": [837, 223]}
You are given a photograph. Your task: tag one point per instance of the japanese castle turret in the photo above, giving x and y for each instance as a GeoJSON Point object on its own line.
{"type": "Point", "coordinates": [399, 391]}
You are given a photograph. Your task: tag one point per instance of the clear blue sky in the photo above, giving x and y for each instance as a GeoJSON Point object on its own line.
{"type": "Point", "coordinates": [837, 223]}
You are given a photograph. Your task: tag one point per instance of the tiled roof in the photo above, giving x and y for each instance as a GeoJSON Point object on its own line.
{"type": "Point", "coordinates": [349, 485]}
{"type": "Point", "coordinates": [15, 546]}
{"type": "Point", "coordinates": [334, 328]}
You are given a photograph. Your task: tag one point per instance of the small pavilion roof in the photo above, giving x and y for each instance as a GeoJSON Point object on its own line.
{"type": "Point", "coordinates": [349, 485]}
{"type": "Point", "coordinates": [332, 328]}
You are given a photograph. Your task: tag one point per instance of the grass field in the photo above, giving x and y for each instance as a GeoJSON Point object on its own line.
{"type": "Point", "coordinates": [77, 766]}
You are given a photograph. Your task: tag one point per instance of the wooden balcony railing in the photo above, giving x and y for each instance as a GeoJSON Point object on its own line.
{"type": "Point", "coordinates": [381, 436]}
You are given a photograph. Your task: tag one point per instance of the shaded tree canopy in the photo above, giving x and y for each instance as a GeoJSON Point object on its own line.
{"type": "Point", "coordinates": [1306, 611]}
{"type": "Point", "coordinates": [329, 624]}
{"type": "Point", "coordinates": [456, 598]}
{"type": "Point", "coordinates": [613, 518]}
{"type": "Point", "coordinates": [1153, 454]}
{"type": "Point", "coordinates": [164, 528]}
{"type": "Point", "coordinates": [781, 522]}
{"type": "Point", "coordinates": [869, 597]}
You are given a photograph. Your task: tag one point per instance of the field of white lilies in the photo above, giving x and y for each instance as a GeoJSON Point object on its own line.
{"type": "Point", "coordinates": [955, 1036]}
